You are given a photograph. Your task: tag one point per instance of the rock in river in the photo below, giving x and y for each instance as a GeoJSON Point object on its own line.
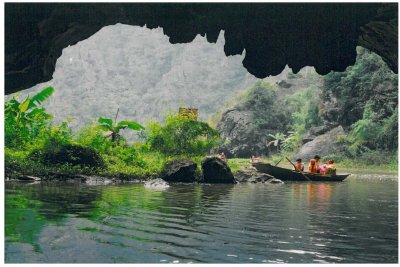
{"type": "Point", "coordinates": [216, 171]}
{"type": "Point", "coordinates": [251, 175]}
{"type": "Point", "coordinates": [156, 183]}
{"type": "Point", "coordinates": [180, 170]}
{"type": "Point", "coordinates": [29, 178]}
{"type": "Point", "coordinates": [274, 181]}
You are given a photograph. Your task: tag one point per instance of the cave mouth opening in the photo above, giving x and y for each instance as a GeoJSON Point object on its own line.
{"type": "Point", "coordinates": [263, 30]}
{"type": "Point", "coordinates": [138, 71]}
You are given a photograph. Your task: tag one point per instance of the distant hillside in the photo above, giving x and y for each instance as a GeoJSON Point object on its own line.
{"type": "Point", "coordinates": [247, 121]}
{"type": "Point", "coordinates": [140, 72]}
{"type": "Point", "coordinates": [293, 109]}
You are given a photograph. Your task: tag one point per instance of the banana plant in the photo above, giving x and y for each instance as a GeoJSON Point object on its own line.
{"type": "Point", "coordinates": [113, 128]}
{"type": "Point", "coordinates": [27, 109]}
{"type": "Point", "coordinates": [278, 138]}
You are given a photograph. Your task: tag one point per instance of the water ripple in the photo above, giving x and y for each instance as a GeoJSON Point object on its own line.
{"type": "Point", "coordinates": [293, 223]}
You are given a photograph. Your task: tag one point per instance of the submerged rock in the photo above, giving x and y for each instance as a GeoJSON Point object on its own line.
{"type": "Point", "coordinates": [251, 175]}
{"type": "Point", "coordinates": [180, 170]}
{"type": "Point", "coordinates": [93, 180]}
{"type": "Point", "coordinates": [29, 178]}
{"type": "Point", "coordinates": [156, 183]}
{"type": "Point", "coordinates": [215, 170]}
{"type": "Point", "coordinates": [274, 181]}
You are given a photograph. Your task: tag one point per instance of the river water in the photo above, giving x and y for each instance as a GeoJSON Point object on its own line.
{"type": "Point", "coordinates": [355, 221]}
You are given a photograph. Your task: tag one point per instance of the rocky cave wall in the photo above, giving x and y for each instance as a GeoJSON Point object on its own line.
{"type": "Point", "coordinates": [273, 35]}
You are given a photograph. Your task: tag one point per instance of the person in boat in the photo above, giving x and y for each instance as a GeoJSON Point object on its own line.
{"type": "Point", "coordinates": [322, 168]}
{"type": "Point", "coordinates": [314, 164]}
{"type": "Point", "coordinates": [222, 156]}
{"type": "Point", "coordinates": [255, 159]}
{"type": "Point", "coordinates": [331, 168]}
{"type": "Point", "coordinates": [299, 165]}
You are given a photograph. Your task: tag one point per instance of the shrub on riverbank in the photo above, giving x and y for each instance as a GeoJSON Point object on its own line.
{"type": "Point", "coordinates": [181, 135]}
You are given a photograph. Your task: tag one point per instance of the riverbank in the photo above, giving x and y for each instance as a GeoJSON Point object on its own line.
{"type": "Point", "coordinates": [18, 164]}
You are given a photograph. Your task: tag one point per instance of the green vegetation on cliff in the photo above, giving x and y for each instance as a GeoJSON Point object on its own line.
{"type": "Point", "coordinates": [365, 99]}
{"type": "Point", "coordinates": [281, 117]}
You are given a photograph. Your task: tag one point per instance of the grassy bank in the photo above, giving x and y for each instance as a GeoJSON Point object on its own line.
{"type": "Point", "coordinates": [18, 163]}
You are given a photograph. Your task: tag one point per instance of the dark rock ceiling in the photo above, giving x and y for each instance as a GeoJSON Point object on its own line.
{"type": "Point", "coordinates": [273, 35]}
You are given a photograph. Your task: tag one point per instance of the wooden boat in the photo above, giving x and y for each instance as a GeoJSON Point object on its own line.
{"type": "Point", "coordinates": [290, 175]}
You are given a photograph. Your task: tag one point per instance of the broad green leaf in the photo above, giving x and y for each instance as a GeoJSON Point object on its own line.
{"type": "Point", "coordinates": [131, 125]}
{"type": "Point", "coordinates": [24, 106]}
{"type": "Point", "coordinates": [42, 96]}
{"type": "Point", "coordinates": [106, 121]}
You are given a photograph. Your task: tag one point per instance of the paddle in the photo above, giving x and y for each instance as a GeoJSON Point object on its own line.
{"type": "Point", "coordinates": [308, 179]}
{"type": "Point", "coordinates": [278, 162]}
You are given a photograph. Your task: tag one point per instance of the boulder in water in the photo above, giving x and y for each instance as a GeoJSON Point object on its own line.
{"type": "Point", "coordinates": [157, 184]}
{"type": "Point", "coordinates": [29, 178]}
{"type": "Point", "coordinates": [251, 175]}
{"type": "Point", "coordinates": [274, 181]}
{"type": "Point", "coordinates": [216, 171]}
{"type": "Point", "coordinates": [92, 179]}
{"type": "Point", "coordinates": [180, 170]}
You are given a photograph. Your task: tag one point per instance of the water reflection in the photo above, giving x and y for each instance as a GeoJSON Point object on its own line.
{"type": "Point", "coordinates": [56, 200]}
{"type": "Point", "coordinates": [314, 192]}
{"type": "Point", "coordinates": [294, 222]}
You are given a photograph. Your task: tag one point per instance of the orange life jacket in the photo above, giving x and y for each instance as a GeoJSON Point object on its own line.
{"type": "Point", "coordinates": [313, 167]}
{"type": "Point", "coordinates": [299, 166]}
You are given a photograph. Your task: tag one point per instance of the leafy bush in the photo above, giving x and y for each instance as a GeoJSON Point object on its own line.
{"type": "Point", "coordinates": [25, 120]}
{"type": "Point", "coordinates": [113, 128]}
{"type": "Point", "coordinates": [69, 154]}
{"type": "Point", "coordinates": [91, 136]}
{"type": "Point", "coordinates": [371, 133]}
{"type": "Point", "coordinates": [181, 135]}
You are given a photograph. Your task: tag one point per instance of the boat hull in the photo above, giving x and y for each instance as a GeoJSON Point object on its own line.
{"type": "Point", "coordinates": [289, 175]}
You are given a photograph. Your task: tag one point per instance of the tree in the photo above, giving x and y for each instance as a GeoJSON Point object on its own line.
{"type": "Point", "coordinates": [277, 139]}
{"type": "Point", "coordinates": [24, 120]}
{"type": "Point", "coordinates": [113, 128]}
{"type": "Point", "coordinates": [182, 135]}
